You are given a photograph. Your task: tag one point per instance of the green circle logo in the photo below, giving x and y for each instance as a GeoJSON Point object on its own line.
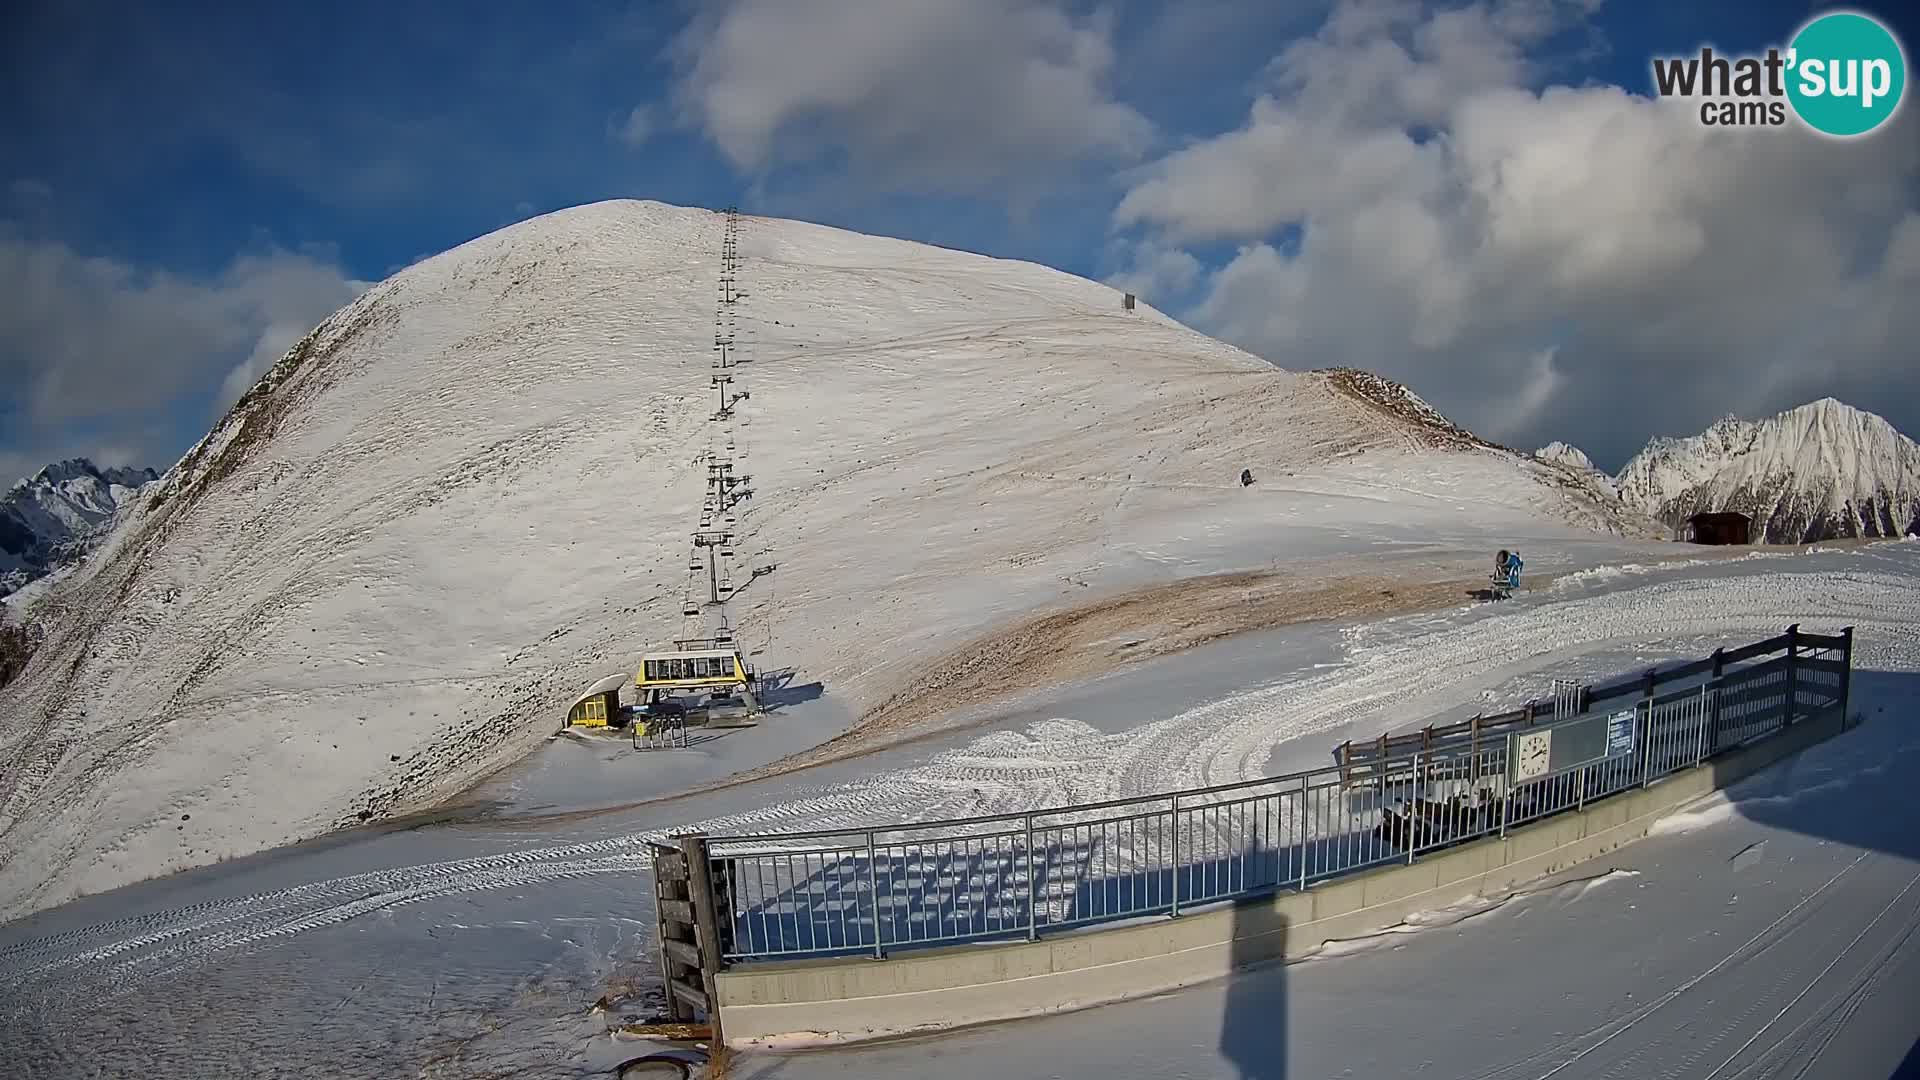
{"type": "Point", "coordinates": [1847, 74]}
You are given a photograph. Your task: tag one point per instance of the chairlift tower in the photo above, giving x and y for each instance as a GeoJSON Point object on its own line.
{"type": "Point", "coordinates": [714, 541]}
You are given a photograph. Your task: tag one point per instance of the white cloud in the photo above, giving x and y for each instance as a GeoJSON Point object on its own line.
{"type": "Point", "coordinates": [637, 126]}
{"type": "Point", "coordinates": [268, 348]}
{"type": "Point", "coordinates": [86, 340]}
{"type": "Point", "coordinates": [924, 93]}
{"type": "Point", "coordinates": [1157, 272]}
{"type": "Point", "coordinates": [1544, 261]}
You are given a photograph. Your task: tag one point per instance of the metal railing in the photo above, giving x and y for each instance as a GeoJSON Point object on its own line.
{"type": "Point", "coordinates": [880, 889]}
{"type": "Point", "coordinates": [660, 733]}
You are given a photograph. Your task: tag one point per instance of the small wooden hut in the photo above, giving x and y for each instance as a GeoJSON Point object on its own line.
{"type": "Point", "coordinates": [1720, 528]}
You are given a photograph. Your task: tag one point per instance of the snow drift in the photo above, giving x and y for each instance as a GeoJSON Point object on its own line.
{"type": "Point", "coordinates": [1817, 472]}
{"type": "Point", "coordinates": [470, 491]}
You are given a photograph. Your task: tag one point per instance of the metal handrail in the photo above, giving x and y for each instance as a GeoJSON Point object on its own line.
{"type": "Point", "coordinates": [1688, 670]}
{"type": "Point", "coordinates": [1029, 872]}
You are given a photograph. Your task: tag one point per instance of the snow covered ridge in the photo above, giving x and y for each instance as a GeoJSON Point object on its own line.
{"type": "Point", "coordinates": [466, 494]}
{"type": "Point", "coordinates": [1563, 454]}
{"type": "Point", "coordinates": [50, 516]}
{"type": "Point", "coordinates": [1820, 471]}
{"type": "Point", "coordinates": [1402, 403]}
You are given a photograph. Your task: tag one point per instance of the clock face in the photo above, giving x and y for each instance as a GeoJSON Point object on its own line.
{"type": "Point", "coordinates": [1531, 753]}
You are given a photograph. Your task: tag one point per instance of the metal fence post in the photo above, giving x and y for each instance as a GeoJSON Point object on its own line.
{"type": "Point", "coordinates": [1033, 893]}
{"type": "Point", "coordinates": [1700, 750]}
{"type": "Point", "coordinates": [1580, 790]}
{"type": "Point", "coordinates": [1793, 673]}
{"type": "Point", "coordinates": [1173, 821]}
{"type": "Point", "coordinates": [1304, 789]}
{"type": "Point", "coordinates": [1713, 713]}
{"type": "Point", "coordinates": [1413, 812]}
{"type": "Point", "coordinates": [1643, 715]}
{"type": "Point", "coordinates": [1712, 691]}
{"type": "Point", "coordinates": [1647, 691]}
{"type": "Point", "coordinates": [1506, 806]}
{"type": "Point", "coordinates": [1846, 672]}
{"type": "Point", "coordinates": [873, 892]}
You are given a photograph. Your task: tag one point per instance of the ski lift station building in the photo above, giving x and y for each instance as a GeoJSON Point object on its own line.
{"type": "Point", "coordinates": [599, 704]}
{"type": "Point", "coordinates": [700, 664]}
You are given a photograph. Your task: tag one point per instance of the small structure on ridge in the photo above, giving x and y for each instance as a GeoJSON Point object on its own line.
{"type": "Point", "coordinates": [1719, 528]}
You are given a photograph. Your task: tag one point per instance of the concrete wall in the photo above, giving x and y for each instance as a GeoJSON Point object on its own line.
{"type": "Point", "coordinates": [850, 999]}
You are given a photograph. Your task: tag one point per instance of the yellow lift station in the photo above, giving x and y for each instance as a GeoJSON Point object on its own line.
{"type": "Point", "coordinates": [710, 664]}
{"type": "Point", "coordinates": [599, 705]}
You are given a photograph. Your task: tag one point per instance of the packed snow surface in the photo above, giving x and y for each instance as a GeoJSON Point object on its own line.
{"type": "Point", "coordinates": [469, 494]}
{"type": "Point", "coordinates": [511, 934]}
{"type": "Point", "coordinates": [1822, 470]}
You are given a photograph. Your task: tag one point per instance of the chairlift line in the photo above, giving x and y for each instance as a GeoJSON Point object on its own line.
{"type": "Point", "coordinates": [711, 663]}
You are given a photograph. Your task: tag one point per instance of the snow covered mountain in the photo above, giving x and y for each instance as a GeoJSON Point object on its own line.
{"type": "Point", "coordinates": [470, 492]}
{"type": "Point", "coordinates": [53, 513]}
{"type": "Point", "coordinates": [1564, 454]}
{"type": "Point", "coordinates": [1819, 471]}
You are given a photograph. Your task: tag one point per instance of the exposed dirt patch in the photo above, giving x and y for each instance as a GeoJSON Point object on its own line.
{"type": "Point", "coordinates": [1092, 638]}
{"type": "Point", "coordinates": [17, 643]}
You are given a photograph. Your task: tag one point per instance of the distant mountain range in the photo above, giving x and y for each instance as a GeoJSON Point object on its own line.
{"type": "Point", "coordinates": [51, 516]}
{"type": "Point", "coordinates": [1822, 471]}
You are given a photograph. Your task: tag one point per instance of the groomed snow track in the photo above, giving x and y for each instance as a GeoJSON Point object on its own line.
{"type": "Point", "coordinates": [1230, 740]}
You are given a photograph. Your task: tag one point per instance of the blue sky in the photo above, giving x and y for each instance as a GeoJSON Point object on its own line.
{"type": "Point", "coordinates": [249, 164]}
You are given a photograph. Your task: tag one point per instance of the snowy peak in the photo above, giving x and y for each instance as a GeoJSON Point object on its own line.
{"type": "Point", "coordinates": [50, 515]}
{"type": "Point", "coordinates": [83, 473]}
{"type": "Point", "coordinates": [1822, 470]}
{"type": "Point", "coordinates": [1560, 453]}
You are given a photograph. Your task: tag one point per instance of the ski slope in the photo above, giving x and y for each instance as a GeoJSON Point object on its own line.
{"type": "Point", "coordinates": [469, 493]}
{"type": "Point", "coordinates": [514, 932]}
